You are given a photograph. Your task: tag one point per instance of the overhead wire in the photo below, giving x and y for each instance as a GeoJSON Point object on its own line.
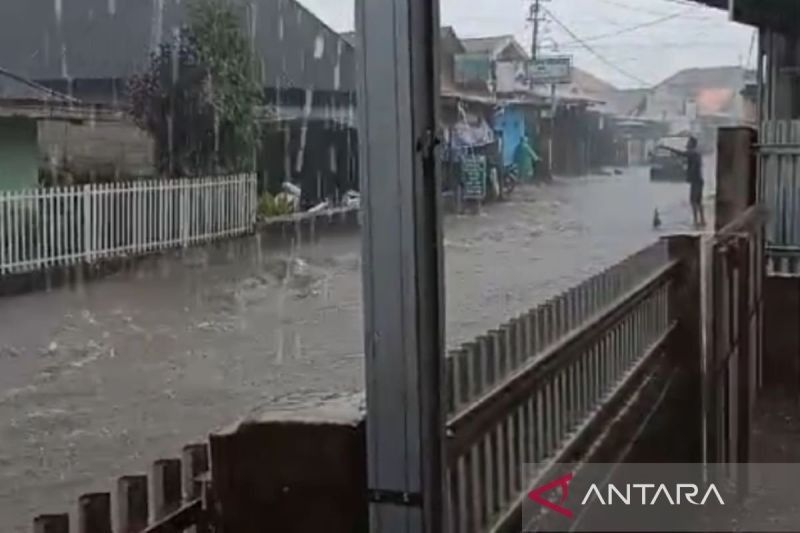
{"type": "Point", "coordinates": [752, 47]}
{"type": "Point", "coordinates": [635, 27]}
{"type": "Point", "coordinates": [671, 45]}
{"type": "Point", "coordinates": [638, 9]}
{"type": "Point", "coordinates": [595, 53]}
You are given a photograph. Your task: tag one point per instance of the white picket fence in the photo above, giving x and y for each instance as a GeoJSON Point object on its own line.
{"type": "Point", "coordinates": [55, 226]}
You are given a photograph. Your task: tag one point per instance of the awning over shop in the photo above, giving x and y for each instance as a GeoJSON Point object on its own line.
{"type": "Point", "coordinates": [471, 131]}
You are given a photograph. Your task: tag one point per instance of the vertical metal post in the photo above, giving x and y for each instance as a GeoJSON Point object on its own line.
{"type": "Point", "coordinates": [553, 108]}
{"type": "Point", "coordinates": [402, 263]}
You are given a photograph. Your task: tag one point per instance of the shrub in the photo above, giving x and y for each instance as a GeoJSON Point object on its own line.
{"type": "Point", "coordinates": [274, 206]}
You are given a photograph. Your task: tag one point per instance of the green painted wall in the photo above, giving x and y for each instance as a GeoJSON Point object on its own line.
{"type": "Point", "coordinates": [19, 154]}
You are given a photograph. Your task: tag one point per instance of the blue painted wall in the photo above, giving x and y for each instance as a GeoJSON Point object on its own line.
{"type": "Point", "coordinates": [510, 123]}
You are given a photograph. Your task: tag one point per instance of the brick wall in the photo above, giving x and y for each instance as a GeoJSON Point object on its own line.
{"type": "Point", "coordinates": [102, 149]}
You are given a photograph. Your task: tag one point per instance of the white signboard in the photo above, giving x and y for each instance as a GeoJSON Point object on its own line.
{"type": "Point", "coordinates": [552, 69]}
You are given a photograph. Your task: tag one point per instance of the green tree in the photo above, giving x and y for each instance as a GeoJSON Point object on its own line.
{"type": "Point", "coordinates": [200, 96]}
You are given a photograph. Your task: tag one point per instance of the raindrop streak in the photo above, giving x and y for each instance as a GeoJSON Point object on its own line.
{"type": "Point", "coordinates": [112, 7]}
{"type": "Point", "coordinates": [332, 160]}
{"type": "Point", "coordinates": [308, 103]}
{"type": "Point", "coordinates": [298, 346]}
{"type": "Point", "coordinates": [176, 47]}
{"type": "Point", "coordinates": [337, 69]}
{"type": "Point", "coordinates": [302, 150]}
{"type": "Point", "coordinates": [156, 24]}
{"type": "Point", "coordinates": [279, 351]}
{"type": "Point", "coordinates": [253, 22]}
{"type": "Point", "coordinates": [64, 66]}
{"type": "Point", "coordinates": [46, 47]}
{"type": "Point", "coordinates": [57, 6]}
{"type": "Point", "coordinates": [319, 47]}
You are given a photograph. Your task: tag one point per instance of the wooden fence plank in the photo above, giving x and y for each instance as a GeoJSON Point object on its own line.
{"type": "Point", "coordinates": [132, 502]}
{"type": "Point", "coordinates": [51, 523]}
{"type": "Point", "coordinates": [94, 513]}
{"type": "Point", "coordinates": [167, 494]}
{"type": "Point", "coordinates": [194, 463]}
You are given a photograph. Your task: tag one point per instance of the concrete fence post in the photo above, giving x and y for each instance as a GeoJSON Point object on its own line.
{"type": "Point", "coordinates": [94, 513]}
{"type": "Point", "coordinates": [736, 173]}
{"type": "Point", "coordinates": [166, 492]}
{"type": "Point", "coordinates": [294, 471]}
{"type": "Point", "coordinates": [687, 350]}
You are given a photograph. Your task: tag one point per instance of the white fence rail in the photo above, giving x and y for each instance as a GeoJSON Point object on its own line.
{"type": "Point", "coordinates": [57, 226]}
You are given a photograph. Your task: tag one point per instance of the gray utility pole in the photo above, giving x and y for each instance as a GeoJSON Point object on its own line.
{"type": "Point", "coordinates": [398, 51]}
{"type": "Point", "coordinates": [536, 20]}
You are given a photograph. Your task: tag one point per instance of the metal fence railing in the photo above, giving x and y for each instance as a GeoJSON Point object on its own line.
{"type": "Point", "coordinates": [735, 361]}
{"type": "Point", "coordinates": [174, 497]}
{"type": "Point", "coordinates": [522, 394]}
{"type": "Point", "coordinates": [46, 227]}
{"type": "Point", "coordinates": [779, 191]}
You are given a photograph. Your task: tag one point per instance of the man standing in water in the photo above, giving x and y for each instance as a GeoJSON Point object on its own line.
{"type": "Point", "coordinates": [525, 159]}
{"type": "Point", "coordinates": [694, 175]}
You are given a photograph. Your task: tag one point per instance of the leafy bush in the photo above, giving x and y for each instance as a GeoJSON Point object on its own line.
{"type": "Point", "coordinates": [200, 95]}
{"type": "Point", "coordinates": [275, 206]}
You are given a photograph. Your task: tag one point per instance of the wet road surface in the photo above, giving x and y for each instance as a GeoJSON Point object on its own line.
{"type": "Point", "coordinates": [99, 381]}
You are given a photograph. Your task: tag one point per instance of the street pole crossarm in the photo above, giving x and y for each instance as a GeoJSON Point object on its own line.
{"type": "Point", "coordinates": [402, 263]}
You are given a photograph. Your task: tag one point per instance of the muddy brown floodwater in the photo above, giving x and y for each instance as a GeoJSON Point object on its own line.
{"type": "Point", "coordinates": [99, 381]}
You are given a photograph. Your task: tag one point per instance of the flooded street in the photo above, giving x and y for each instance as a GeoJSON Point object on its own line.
{"type": "Point", "coordinates": [100, 381]}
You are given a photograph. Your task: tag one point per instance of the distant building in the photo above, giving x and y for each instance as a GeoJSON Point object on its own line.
{"type": "Point", "coordinates": [499, 64]}
{"type": "Point", "coordinates": [698, 101]}
{"type": "Point", "coordinates": [24, 107]}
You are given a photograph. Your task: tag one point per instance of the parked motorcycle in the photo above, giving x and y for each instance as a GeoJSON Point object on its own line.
{"type": "Point", "coordinates": [510, 179]}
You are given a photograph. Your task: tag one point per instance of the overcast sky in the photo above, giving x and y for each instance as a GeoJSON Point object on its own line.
{"type": "Point", "coordinates": [674, 34]}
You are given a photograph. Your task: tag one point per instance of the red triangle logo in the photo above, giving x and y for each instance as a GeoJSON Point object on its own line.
{"type": "Point", "coordinates": [563, 483]}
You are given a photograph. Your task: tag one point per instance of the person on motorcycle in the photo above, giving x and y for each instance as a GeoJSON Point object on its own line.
{"type": "Point", "coordinates": [524, 159]}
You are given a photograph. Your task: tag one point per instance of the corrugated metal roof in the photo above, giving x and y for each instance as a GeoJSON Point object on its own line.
{"type": "Point", "coordinates": [99, 39]}
{"type": "Point", "coordinates": [493, 46]}
{"type": "Point", "coordinates": [15, 88]}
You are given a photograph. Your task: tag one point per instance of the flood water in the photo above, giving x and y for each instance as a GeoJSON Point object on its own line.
{"type": "Point", "coordinates": [99, 381]}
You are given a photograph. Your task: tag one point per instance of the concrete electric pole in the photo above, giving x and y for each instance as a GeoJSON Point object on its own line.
{"type": "Point", "coordinates": [535, 18]}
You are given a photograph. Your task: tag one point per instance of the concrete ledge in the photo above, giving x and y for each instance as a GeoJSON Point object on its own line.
{"type": "Point", "coordinates": [294, 471]}
{"type": "Point", "coordinates": [311, 226]}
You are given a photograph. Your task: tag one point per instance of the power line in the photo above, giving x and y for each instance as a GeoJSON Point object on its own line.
{"type": "Point", "coordinates": [636, 27]}
{"type": "Point", "coordinates": [752, 47]}
{"type": "Point", "coordinates": [591, 50]}
{"type": "Point", "coordinates": [666, 45]}
{"type": "Point", "coordinates": [639, 9]}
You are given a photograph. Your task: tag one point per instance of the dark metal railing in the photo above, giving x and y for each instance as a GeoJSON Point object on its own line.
{"type": "Point", "coordinates": [537, 390]}
{"type": "Point", "coordinates": [779, 191]}
{"type": "Point", "coordinates": [733, 368]}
